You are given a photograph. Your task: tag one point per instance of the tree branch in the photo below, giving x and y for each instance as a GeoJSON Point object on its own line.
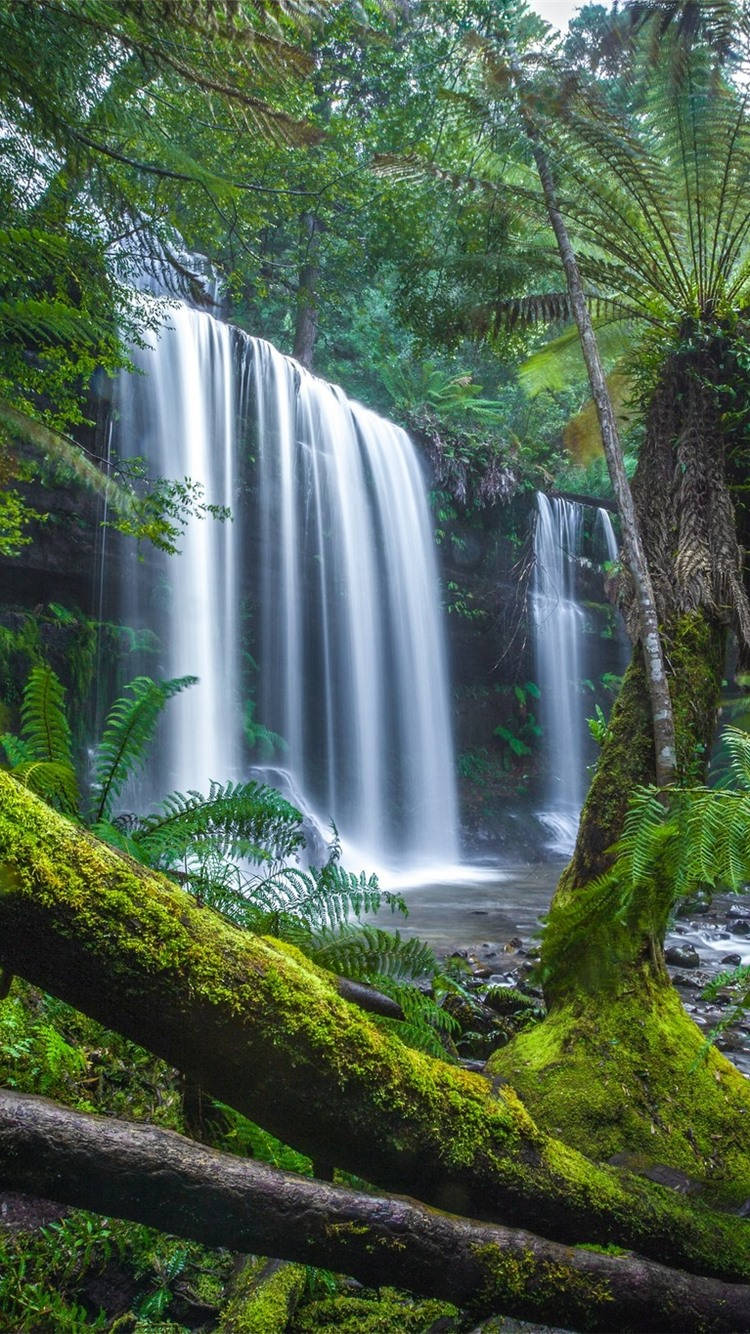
{"type": "Point", "coordinates": [258, 1025]}
{"type": "Point", "coordinates": [159, 1178]}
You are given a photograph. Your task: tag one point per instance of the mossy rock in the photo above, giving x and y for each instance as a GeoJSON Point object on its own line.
{"type": "Point", "coordinates": [388, 1312]}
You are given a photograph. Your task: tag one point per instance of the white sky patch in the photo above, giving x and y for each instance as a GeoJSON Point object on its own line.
{"type": "Point", "coordinates": [559, 12]}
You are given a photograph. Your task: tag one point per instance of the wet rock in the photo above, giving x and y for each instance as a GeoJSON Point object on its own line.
{"type": "Point", "coordinates": [692, 907]}
{"type": "Point", "coordinates": [732, 960]}
{"type": "Point", "coordinates": [514, 943]}
{"type": "Point", "coordinates": [692, 983]}
{"type": "Point", "coordinates": [741, 927]}
{"type": "Point", "coordinates": [682, 956]}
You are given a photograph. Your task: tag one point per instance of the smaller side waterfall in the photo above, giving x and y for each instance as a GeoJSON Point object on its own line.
{"type": "Point", "coordinates": [573, 650]}
{"type": "Point", "coordinates": [558, 622]}
{"type": "Point", "coordinates": [607, 535]}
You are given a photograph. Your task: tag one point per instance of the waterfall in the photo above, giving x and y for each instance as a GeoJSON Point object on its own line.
{"type": "Point", "coordinates": [351, 657]}
{"type": "Point", "coordinates": [558, 621]}
{"type": "Point", "coordinates": [607, 532]}
{"type": "Point", "coordinates": [568, 656]}
{"type": "Point", "coordinates": [179, 414]}
{"type": "Point", "coordinates": [331, 547]}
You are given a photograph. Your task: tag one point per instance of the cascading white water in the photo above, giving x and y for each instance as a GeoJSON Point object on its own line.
{"type": "Point", "coordinates": [350, 650]}
{"type": "Point", "coordinates": [558, 622]}
{"type": "Point", "coordinates": [352, 659]}
{"type": "Point", "coordinates": [567, 657]}
{"type": "Point", "coordinates": [609, 540]}
{"type": "Point", "coordinates": [179, 413]}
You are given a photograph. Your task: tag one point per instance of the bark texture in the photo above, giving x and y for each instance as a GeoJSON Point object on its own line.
{"type": "Point", "coordinates": [160, 1178]}
{"type": "Point", "coordinates": [257, 1025]}
{"type": "Point", "coordinates": [633, 550]}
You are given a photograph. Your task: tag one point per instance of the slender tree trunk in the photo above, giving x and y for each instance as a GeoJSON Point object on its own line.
{"type": "Point", "coordinates": [634, 554]}
{"type": "Point", "coordinates": [306, 328]}
{"type": "Point", "coordinates": [257, 1025]}
{"type": "Point", "coordinates": [160, 1178]}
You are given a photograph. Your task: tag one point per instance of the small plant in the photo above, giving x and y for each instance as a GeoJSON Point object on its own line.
{"type": "Point", "coordinates": [598, 725]}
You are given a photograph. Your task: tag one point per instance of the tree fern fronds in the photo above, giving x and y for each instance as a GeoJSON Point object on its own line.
{"type": "Point", "coordinates": [129, 727]}
{"type": "Point", "coordinates": [53, 781]}
{"type": "Point", "coordinates": [246, 820]}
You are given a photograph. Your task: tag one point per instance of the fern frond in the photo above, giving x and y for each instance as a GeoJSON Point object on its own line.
{"type": "Point", "coordinates": [44, 725]}
{"type": "Point", "coordinates": [367, 953]}
{"type": "Point", "coordinates": [17, 751]}
{"type": "Point", "coordinates": [738, 744]}
{"type": "Point", "coordinates": [129, 727]}
{"type": "Point", "coordinates": [53, 781]}
{"type": "Point", "coordinates": [242, 820]}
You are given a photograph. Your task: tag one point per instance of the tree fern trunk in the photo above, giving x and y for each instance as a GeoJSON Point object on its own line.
{"type": "Point", "coordinates": [634, 554]}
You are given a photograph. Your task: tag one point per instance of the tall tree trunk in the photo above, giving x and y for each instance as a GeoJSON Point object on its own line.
{"type": "Point", "coordinates": [160, 1178]}
{"type": "Point", "coordinates": [260, 1027]}
{"type": "Point", "coordinates": [633, 551]}
{"type": "Point", "coordinates": [306, 327]}
{"type": "Point", "coordinates": [615, 1020]}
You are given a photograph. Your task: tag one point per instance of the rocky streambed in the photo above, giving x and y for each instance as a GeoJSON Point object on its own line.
{"type": "Point", "coordinates": [492, 923]}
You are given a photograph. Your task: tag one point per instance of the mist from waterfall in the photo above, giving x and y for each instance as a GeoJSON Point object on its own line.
{"type": "Point", "coordinates": [331, 543]}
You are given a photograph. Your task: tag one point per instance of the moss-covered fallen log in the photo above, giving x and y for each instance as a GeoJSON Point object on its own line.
{"type": "Point", "coordinates": [160, 1178]}
{"type": "Point", "coordinates": [257, 1025]}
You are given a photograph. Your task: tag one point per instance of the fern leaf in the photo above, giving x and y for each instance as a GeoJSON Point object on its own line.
{"type": "Point", "coordinates": [44, 724]}
{"type": "Point", "coordinates": [129, 728]}
{"type": "Point", "coordinates": [17, 751]}
{"type": "Point", "coordinates": [367, 953]}
{"type": "Point", "coordinates": [51, 780]}
{"type": "Point", "coordinates": [243, 820]}
{"type": "Point", "coordinates": [738, 745]}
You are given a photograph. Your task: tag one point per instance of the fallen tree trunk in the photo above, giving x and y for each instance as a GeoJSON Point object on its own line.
{"type": "Point", "coordinates": [261, 1028]}
{"type": "Point", "coordinates": [157, 1177]}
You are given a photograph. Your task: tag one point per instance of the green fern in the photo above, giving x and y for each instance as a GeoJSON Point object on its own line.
{"type": "Point", "coordinates": [248, 821]}
{"type": "Point", "coordinates": [128, 731]}
{"type": "Point", "coordinates": [42, 757]}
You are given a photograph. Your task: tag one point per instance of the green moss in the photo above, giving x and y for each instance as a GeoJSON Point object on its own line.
{"type": "Point", "coordinates": [520, 1276]}
{"type": "Point", "coordinates": [635, 1076]}
{"type": "Point", "coordinates": [387, 1312]}
{"type": "Point", "coordinates": [264, 1298]}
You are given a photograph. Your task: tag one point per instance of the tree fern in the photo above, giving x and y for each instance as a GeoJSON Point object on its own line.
{"type": "Point", "coordinates": [128, 731]}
